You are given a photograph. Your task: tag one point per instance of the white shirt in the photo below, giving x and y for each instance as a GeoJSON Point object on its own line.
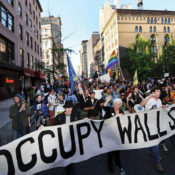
{"type": "Point", "coordinates": [92, 100]}
{"type": "Point", "coordinates": [67, 118]}
{"type": "Point", "coordinates": [153, 104]}
{"type": "Point", "coordinates": [51, 101]}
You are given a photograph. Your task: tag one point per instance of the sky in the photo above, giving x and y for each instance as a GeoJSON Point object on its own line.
{"type": "Point", "coordinates": [81, 17]}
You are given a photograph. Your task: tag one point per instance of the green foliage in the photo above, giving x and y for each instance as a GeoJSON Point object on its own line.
{"type": "Point", "coordinates": [167, 58]}
{"type": "Point", "coordinates": [140, 57]}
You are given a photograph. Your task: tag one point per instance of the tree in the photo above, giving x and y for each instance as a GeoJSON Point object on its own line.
{"type": "Point", "coordinates": [54, 68]}
{"type": "Point", "coordinates": [141, 57]}
{"type": "Point", "coordinates": [167, 58]}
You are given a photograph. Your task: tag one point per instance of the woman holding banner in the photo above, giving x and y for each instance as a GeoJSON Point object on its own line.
{"type": "Point", "coordinates": [115, 110]}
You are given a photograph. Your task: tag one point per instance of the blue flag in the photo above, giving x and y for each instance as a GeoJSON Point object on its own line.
{"type": "Point", "coordinates": [72, 74]}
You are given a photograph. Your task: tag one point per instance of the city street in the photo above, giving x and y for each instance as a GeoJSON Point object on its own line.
{"type": "Point", "coordinates": [5, 122]}
{"type": "Point", "coordinates": [135, 162]}
{"type": "Point", "coordinates": [4, 111]}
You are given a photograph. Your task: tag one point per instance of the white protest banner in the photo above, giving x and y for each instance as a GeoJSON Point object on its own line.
{"type": "Point", "coordinates": [105, 77]}
{"type": "Point", "coordinates": [62, 145]}
{"type": "Point", "coordinates": [98, 94]}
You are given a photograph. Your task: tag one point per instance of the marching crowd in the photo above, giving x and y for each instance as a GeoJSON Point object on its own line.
{"type": "Point", "coordinates": [56, 105]}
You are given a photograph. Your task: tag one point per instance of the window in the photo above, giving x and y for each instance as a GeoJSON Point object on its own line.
{"type": "Point", "coordinates": [31, 59]}
{"type": "Point", "coordinates": [10, 2]}
{"type": "Point", "coordinates": [26, 19]}
{"type": "Point", "coordinates": [153, 39]}
{"type": "Point", "coordinates": [32, 62]}
{"type": "Point", "coordinates": [6, 18]}
{"type": "Point", "coordinates": [31, 42]}
{"type": "Point", "coordinates": [20, 32]}
{"type": "Point", "coordinates": [10, 22]}
{"type": "Point", "coordinates": [148, 20]}
{"type": "Point", "coordinates": [27, 38]}
{"type": "Point", "coordinates": [36, 20]}
{"type": "Point", "coordinates": [19, 10]}
{"type": "Point", "coordinates": [140, 29]}
{"type": "Point", "coordinates": [40, 52]}
{"type": "Point", "coordinates": [155, 20]}
{"type": "Point", "coordinates": [154, 29]}
{"type": "Point", "coordinates": [136, 29]}
{"type": "Point", "coordinates": [165, 20]}
{"type": "Point", "coordinates": [168, 29]}
{"type": "Point", "coordinates": [169, 21]}
{"type": "Point", "coordinates": [6, 51]}
{"type": "Point", "coordinates": [21, 54]}
{"type": "Point", "coordinates": [3, 16]}
{"type": "Point", "coordinates": [26, 3]}
{"type": "Point", "coordinates": [30, 24]}
{"type": "Point", "coordinates": [162, 21]}
{"type": "Point", "coordinates": [167, 39]}
{"type": "Point", "coordinates": [150, 29]}
{"type": "Point", "coordinates": [34, 15]}
{"type": "Point", "coordinates": [30, 8]}
{"type": "Point", "coordinates": [152, 20]}
{"type": "Point", "coordinates": [164, 29]}
{"type": "Point", "coordinates": [154, 50]}
{"type": "Point", "coordinates": [38, 49]}
{"type": "Point", "coordinates": [28, 60]}
{"type": "Point", "coordinates": [35, 46]}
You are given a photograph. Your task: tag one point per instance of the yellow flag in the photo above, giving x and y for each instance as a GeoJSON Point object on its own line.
{"type": "Point", "coordinates": [135, 81]}
{"type": "Point", "coordinates": [117, 74]}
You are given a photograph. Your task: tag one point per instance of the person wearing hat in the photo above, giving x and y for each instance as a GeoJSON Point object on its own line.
{"type": "Point", "coordinates": [20, 115]}
{"type": "Point", "coordinates": [70, 115]}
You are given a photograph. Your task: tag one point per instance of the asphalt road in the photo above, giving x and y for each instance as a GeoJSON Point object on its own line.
{"type": "Point", "coordinates": [135, 162]}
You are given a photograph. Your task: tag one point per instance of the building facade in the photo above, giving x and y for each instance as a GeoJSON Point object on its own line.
{"type": "Point", "coordinates": [120, 28]}
{"type": "Point", "coordinates": [20, 45]}
{"type": "Point", "coordinates": [90, 50]}
{"type": "Point", "coordinates": [98, 61]}
{"type": "Point", "coordinates": [51, 43]}
{"type": "Point", "coordinates": [84, 58]}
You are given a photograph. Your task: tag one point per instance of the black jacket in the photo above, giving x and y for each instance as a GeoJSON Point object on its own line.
{"type": "Point", "coordinates": [61, 118]}
{"type": "Point", "coordinates": [94, 112]}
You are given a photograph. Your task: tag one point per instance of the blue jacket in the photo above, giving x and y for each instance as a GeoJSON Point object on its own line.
{"type": "Point", "coordinates": [71, 97]}
{"type": "Point", "coordinates": [44, 108]}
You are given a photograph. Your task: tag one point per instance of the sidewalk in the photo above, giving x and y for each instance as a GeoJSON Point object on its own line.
{"type": "Point", "coordinates": [4, 111]}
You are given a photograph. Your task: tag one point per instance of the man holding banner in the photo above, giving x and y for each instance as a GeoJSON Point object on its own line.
{"type": "Point", "coordinates": [153, 102]}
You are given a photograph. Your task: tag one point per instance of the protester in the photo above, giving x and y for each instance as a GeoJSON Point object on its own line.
{"type": "Point", "coordinates": [71, 97]}
{"type": "Point", "coordinates": [92, 106]}
{"type": "Point", "coordinates": [20, 115]}
{"type": "Point", "coordinates": [153, 102]}
{"type": "Point", "coordinates": [51, 102]}
{"type": "Point", "coordinates": [134, 98]}
{"type": "Point", "coordinates": [41, 111]}
{"type": "Point", "coordinates": [68, 116]}
{"type": "Point", "coordinates": [32, 96]}
{"type": "Point", "coordinates": [115, 155]}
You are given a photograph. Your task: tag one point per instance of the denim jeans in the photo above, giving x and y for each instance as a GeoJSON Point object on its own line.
{"type": "Point", "coordinates": [17, 133]}
{"type": "Point", "coordinates": [156, 154]}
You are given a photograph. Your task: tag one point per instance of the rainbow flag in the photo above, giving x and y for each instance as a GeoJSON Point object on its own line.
{"type": "Point", "coordinates": [112, 61]}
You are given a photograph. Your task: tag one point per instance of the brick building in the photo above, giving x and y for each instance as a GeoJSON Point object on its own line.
{"type": "Point", "coordinates": [20, 44]}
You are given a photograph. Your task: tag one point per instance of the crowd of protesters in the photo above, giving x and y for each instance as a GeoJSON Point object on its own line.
{"type": "Point", "coordinates": [56, 105]}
